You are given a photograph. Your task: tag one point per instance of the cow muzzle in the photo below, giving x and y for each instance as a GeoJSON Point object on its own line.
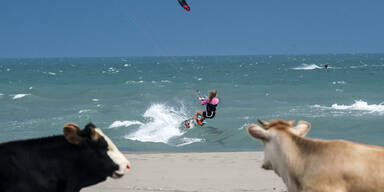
{"type": "Point", "coordinates": [120, 173]}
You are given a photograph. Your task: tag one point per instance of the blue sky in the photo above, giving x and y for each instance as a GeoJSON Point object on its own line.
{"type": "Point", "coordinates": [77, 28]}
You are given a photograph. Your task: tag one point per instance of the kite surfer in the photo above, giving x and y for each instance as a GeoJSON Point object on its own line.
{"type": "Point", "coordinates": [211, 103]}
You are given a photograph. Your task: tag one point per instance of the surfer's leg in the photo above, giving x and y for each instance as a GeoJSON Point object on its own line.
{"type": "Point", "coordinates": [208, 115]}
{"type": "Point", "coordinates": [199, 112]}
{"type": "Point", "coordinates": [204, 116]}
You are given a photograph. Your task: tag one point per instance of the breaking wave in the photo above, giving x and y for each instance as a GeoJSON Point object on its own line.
{"type": "Point", "coordinates": [359, 105]}
{"type": "Point", "coordinates": [307, 67]}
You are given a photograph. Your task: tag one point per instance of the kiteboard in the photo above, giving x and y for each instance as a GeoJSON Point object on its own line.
{"type": "Point", "coordinates": [198, 121]}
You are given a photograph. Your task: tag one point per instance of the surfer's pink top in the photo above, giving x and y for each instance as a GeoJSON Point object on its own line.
{"type": "Point", "coordinates": [214, 101]}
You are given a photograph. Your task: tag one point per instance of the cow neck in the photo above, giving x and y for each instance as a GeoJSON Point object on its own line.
{"type": "Point", "coordinates": [291, 166]}
{"type": "Point", "coordinates": [36, 141]}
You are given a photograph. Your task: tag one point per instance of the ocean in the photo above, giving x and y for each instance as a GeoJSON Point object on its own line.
{"type": "Point", "coordinates": [140, 102]}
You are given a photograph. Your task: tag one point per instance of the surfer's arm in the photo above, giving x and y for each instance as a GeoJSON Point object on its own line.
{"type": "Point", "coordinates": [205, 102]}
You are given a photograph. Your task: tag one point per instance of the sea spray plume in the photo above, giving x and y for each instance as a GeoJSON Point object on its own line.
{"type": "Point", "coordinates": [124, 124]}
{"type": "Point", "coordinates": [162, 124]}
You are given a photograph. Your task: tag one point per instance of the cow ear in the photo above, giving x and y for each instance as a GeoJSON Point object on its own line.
{"type": "Point", "coordinates": [92, 131]}
{"type": "Point", "coordinates": [301, 129]}
{"type": "Point", "coordinates": [71, 133]}
{"type": "Point", "coordinates": [258, 133]}
{"type": "Point", "coordinates": [263, 123]}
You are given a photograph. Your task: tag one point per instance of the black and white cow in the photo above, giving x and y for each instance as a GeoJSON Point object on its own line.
{"type": "Point", "coordinates": [64, 163]}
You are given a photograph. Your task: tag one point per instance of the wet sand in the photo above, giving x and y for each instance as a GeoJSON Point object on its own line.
{"type": "Point", "coordinates": [194, 172]}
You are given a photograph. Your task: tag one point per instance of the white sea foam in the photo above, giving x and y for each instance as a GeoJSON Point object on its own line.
{"type": "Point", "coordinates": [162, 124]}
{"type": "Point", "coordinates": [339, 82]}
{"type": "Point", "coordinates": [95, 100]}
{"type": "Point", "coordinates": [359, 105]}
{"type": "Point", "coordinates": [187, 141]}
{"type": "Point", "coordinates": [307, 67]}
{"type": "Point", "coordinates": [18, 96]}
{"type": "Point", "coordinates": [84, 111]}
{"type": "Point", "coordinates": [49, 73]}
{"type": "Point", "coordinates": [124, 124]}
{"type": "Point", "coordinates": [111, 70]}
{"type": "Point", "coordinates": [339, 90]}
{"type": "Point", "coordinates": [134, 82]}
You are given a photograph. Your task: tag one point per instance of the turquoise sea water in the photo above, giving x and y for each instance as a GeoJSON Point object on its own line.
{"type": "Point", "coordinates": [140, 102]}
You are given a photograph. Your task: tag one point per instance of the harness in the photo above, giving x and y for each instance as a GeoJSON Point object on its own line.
{"type": "Point", "coordinates": [211, 109]}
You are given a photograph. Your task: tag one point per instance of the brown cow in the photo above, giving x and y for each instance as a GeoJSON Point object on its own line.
{"type": "Point", "coordinates": [314, 165]}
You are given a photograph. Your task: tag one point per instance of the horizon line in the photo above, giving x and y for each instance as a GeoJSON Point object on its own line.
{"type": "Point", "coordinates": [218, 55]}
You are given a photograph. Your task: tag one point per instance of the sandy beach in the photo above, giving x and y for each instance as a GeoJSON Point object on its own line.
{"type": "Point", "coordinates": [187, 172]}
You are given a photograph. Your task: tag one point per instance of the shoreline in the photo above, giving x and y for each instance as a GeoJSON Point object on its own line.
{"type": "Point", "coordinates": [193, 172]}
{"type": "Point", "coordinates": [186, 152]}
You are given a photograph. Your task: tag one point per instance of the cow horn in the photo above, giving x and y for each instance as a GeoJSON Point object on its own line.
{"type": "Point", "coordinates": [71, 131]}
{"type": "Point", "coordinates": [263, 123]}
{"type": "Point", "coordinates": [92, 133]}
